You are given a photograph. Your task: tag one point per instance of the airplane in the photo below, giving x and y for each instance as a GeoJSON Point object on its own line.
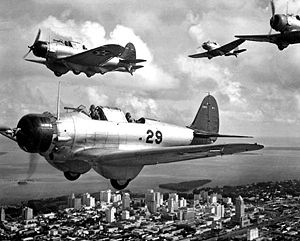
{"type": "Point", "coordinates": [62, 56]}
{"type": "Point", "coordinates": [287, 24]}
{"type": "Point", "coordinates": [115, 148]}
{"type": "Point", "coordinates": [214, 49]}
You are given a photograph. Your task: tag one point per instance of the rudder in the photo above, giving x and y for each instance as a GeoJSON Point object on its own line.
{"type": "Point", "coordinates": [207, 118]}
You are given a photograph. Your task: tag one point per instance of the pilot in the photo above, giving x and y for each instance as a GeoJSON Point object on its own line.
{"type": "Point", "coordinates": [94, 113]}
{"type": "Point", "coordinates": [128, 117]}
{"type": "Point", "coordinates": [101, 113]}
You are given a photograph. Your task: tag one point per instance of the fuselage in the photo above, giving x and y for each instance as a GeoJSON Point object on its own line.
{"type": "Point", "coordinates": [75, 132]}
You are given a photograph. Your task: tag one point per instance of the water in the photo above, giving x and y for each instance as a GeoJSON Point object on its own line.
{"type": "Point", "coordinates": [269, 164]}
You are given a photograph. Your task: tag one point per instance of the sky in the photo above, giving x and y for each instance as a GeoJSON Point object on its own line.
{"type": "Point", "coordinates": [258, 93]}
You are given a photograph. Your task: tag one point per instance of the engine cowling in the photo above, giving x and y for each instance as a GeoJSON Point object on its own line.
{"type": "Point", "coordinates": [279, 22]}
{"type": "Point", "coordinates": [40, 49]}
{"type": "Point", "coordinates": [34, 133]}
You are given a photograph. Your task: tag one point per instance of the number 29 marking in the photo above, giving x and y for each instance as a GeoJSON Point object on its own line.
{"type": "Point", "coordinates": [150, 137]}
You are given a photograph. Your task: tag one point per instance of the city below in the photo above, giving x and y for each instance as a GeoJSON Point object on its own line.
{"type": "Point", "coordinates": [258, 211]}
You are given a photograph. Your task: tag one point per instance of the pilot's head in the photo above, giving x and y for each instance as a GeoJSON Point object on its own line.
{"type": "Point", "coordinates": [128, 116]}
{"type": "Point", "coordinates": [92, 107]}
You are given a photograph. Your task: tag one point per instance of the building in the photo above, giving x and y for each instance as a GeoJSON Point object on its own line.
{"type": "Point", "coordinates": [71, 200]}
{"type": "Point", "coordinates": [150, 201]}
{"type": "Point", "coordinates": [252, 234]}
{"type": "Point", "coordinates": [218, 210]}
{"type": "Point", "coordinates": [173, 196]}
{"type": "Point", "coordinates": [240, 216]}
{"type": "Point", "coordinates": [182, 203]}
{"type": "Point", "coordinates": [239, 208]}
{"type": "Point", "coordinates": [159, 199]}
{"type": "Point", "coordinates": [189, 214]}
{"type": "Point", "coordinates": [2, 215]}
{"type": "Point", "coordinates": [204, 195]}
{"type": "Point", "coordinates": [105, 196]}
{"type": "Point", "coordinates": [125, 215]}
{"type": "Point", "coordinates": [76, 203]}
{"type": "Point", "coordinates": [126, 201]}
{"type": "Point", "coordinates": [27, 213]}
{"type": "Point", "coordinates": [227, 200]}
{"type": "Point", "coordinates": [110, 214]}
{"type": "Point", "coordinates": [171, 205]}
{"type": "Point", "coordinates": [88, 200]}
{"type": "Point", "coordinates": [85, 198]}
{"type": "Point", "coordinates": [213, 198]}
{"type": "Point", "coordinates": [116, 197]}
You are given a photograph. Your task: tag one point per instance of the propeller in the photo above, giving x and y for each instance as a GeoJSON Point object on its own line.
{"type": "Point", "coordinates": [272, 7]}
{"type": "Point", "coordinates": [33, 161]}
{"type": "Point", "coordinates": [33, 45]}
{"type": "Point", "coordinates": [273, 13]}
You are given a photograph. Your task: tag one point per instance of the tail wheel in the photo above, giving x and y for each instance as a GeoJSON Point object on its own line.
{"type": "Point", "coordinates": [71, 176]}
{"type": "Point", "coordinates": [119, 185]}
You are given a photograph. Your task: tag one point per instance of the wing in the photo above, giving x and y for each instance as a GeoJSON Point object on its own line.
{"type": "Point", "coordinates": [230, 46]}
{"type": "Point", "coordinates": [96, 56]}
{"type": "Point", "coordinates": [219, 51]}
{"type": "Point", "coordinates": [271, 38]}
{"type": "Point", "coordinates": [201, 55]}
{"type": "Point", "coordinates": [162, 155]}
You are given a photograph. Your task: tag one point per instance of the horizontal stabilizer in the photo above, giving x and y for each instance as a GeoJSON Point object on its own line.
{"type": "Point", "coordinates": [208, 135]}
{"type": "Point", "coordinates": [131, 61]}
{"type": "Point", "coordinates": [137, 66]}
{"type": "Point", "coordinates": [39, 61]}
{"type": "Point", "coordinates": [240, 51]}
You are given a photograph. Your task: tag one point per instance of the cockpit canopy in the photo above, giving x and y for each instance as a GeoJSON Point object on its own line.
{"type": "Point", "coordinates": [104, 113]}
{"type": "Point", "coordinates": [113, 114]}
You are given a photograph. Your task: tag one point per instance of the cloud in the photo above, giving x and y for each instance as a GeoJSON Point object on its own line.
{"type": "Point", "coordinates": [140, 107]}
{"type": "Point", "coordinates": [95, 97]}
{"type": "Point", "coordinates": [200, 71]}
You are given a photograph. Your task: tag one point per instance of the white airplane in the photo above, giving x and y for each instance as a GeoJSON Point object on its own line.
{"type": "Point", "coordinates": [214, 49]}
{"type": "Point", "coordinates": [62, 56]}
{"type": "Point", "coordinates": [115, 148]}
{"type": "Point", "coordinates": [287, 24]}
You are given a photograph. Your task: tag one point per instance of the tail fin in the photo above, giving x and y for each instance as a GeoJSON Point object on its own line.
{"type": "Point", "coordinates": [207, 118]}
{"type": "Point", "coordinates": [206, 121]}
{"type": "Point", "coordinates": [129, 52]}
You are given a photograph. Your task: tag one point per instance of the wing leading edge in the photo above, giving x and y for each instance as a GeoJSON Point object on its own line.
{"type": "Point", "coordinates": [163, 155]}
{"type": "Point", "coordinates": [270, 38]}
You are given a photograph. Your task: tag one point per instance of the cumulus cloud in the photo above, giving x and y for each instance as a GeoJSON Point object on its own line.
{"type": "Point", "coordinates": [95, 96]}
{"type": "Point", "coordinates": [138, 106]}
{"type": "Point", "coordinates": [203, 71]}
{"type": "Point", "coordinates": [95, 35]}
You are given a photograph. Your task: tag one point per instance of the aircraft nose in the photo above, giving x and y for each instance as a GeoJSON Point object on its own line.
{"type": "Point", "coordinates": [34, 133]}
{"type": "Point", "coordinates": [205, 45]}
{"type": "Point", "coordinates": [278, 22]}
{"type": "Point", "coordinates": [40, 49]}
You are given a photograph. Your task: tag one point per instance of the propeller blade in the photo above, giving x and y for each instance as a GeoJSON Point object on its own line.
{"type": "Point", "coordinates": [272, 7]}
{"type": "Point", "coordinates": [270, 31]}
{"type": "Point", "coordinates": [33, 161]}
{"type": "Point", "coordinates": [37, 37]}
{"type": "Point", "coordinates": [35, 41]}
{"type": "Point", "coordinates": [27, 53]}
